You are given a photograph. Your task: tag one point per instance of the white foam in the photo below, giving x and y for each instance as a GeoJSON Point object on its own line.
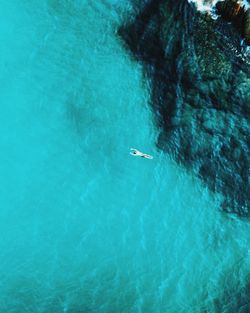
{"type": "Point", "coordinates": [246, 3]}
{"type": "Point", "coordinates": [208, 5]}
{"type": "Point", "coordinates": [204, 5]}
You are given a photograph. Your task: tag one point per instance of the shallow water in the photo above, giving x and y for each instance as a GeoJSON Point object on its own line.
{"type": "Point", "coordinates": [85, 226]}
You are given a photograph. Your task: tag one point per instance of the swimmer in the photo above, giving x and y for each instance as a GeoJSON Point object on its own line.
{"type": "Point", "coordinates": [136, 152]}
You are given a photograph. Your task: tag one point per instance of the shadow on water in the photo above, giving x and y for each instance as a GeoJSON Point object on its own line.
{"type": "Point", "coordinates": [200, 93]}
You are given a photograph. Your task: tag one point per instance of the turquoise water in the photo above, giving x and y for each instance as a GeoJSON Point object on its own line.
{"type": "Point", "coordinates": [85, 227]}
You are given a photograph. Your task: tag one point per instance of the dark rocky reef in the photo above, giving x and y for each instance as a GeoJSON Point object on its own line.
{"type": "Point", "coordinates": [200, 93]}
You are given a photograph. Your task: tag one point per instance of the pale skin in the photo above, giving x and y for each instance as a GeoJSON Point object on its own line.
{"type": "Point", "coordinates": [136, 152]}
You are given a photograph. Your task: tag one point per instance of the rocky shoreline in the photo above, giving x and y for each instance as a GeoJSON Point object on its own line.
{"type": "Point", "coordinates": [200, 93]}
{"type": "Point", "coordinates": [236, 12]}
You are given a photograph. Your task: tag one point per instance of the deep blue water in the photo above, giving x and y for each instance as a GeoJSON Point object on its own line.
{"type": "Point", "coordinates": [85, 227]}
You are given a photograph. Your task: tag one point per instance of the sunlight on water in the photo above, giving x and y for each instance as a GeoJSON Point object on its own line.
{"type": "Point", "coordinates": [85, 226]}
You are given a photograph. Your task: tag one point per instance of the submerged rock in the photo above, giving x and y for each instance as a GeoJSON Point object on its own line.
{"type": "Point", "coordinates": [200, 92]}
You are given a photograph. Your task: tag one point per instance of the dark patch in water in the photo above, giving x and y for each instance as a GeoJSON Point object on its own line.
{"type": "Point", "coordinates": [235, 296]}
{"type": "Point", "coordinates": [200, 92]}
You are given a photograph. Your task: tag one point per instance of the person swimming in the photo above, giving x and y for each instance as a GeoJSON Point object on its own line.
{"type": "Point", "coordinates": [136, 152]}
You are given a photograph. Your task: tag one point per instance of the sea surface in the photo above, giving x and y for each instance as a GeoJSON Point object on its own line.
{"type": "Point", "coordinates": [86, 227]}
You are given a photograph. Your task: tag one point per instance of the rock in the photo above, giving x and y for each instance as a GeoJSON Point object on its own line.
{"type": "Point", "coordinates": [200, 93]}
{"type": "Point", "coordinates": [231, 10]}
{"type": "Point", "coordinates": [234, 11]}
{"type": "Point", "coordinates": [247, 27]}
